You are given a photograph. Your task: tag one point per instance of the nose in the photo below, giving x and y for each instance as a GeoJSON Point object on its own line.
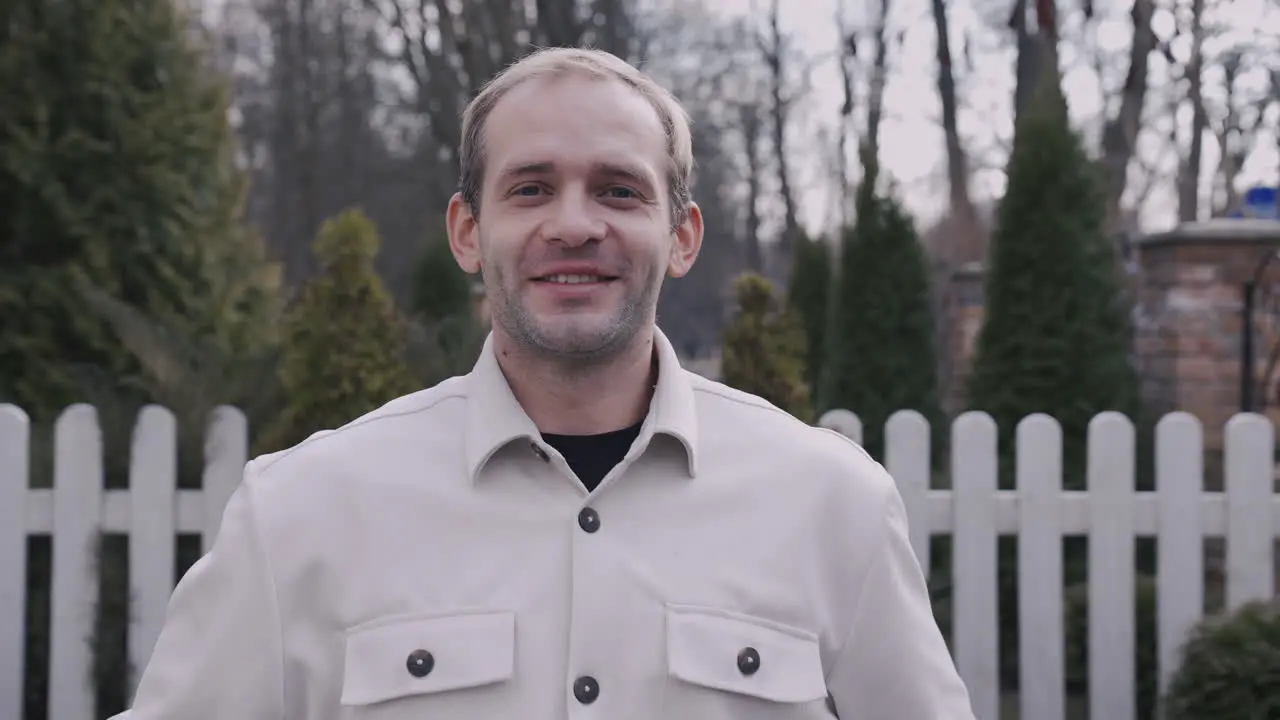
{"type": "Point", "coordinates": [574, 221]}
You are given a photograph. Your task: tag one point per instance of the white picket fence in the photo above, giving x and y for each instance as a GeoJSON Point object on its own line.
{"type": "Point", "coordinates": [1179, 515]}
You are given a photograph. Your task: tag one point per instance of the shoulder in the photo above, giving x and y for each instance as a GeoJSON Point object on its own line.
{"type": "Point", "coordinates": [382, 436]}
{"type": "Point", "coordinates": [302, 496]}
{"type": "Point", "coordinates": [734, 423]}
{"type": "Point", "coordinates": [815, 483]}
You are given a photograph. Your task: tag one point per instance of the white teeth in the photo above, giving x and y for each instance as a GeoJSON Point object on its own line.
{"type": "Point", "coordinates": [574, 279]}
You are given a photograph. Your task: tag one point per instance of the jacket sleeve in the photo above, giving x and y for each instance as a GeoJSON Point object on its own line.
{"type": "Point", "coordinates": [895, 664]}
{"type": "Point", "coordinates": [219, 653]}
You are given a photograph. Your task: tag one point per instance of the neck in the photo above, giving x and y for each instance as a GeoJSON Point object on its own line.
{"type": "Point", "coordinates": [567, 398]}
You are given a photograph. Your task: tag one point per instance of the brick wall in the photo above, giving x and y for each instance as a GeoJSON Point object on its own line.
{"type": "Point", "coordinates": [1189, 317]}
{"type": "Point", "coordinates": [1188, 286]}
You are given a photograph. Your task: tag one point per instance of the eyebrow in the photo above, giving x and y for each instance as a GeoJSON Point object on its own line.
{"type": "Point", "coordinates": [608, 169]}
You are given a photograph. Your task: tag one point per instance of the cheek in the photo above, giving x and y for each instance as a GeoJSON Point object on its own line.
{"type": "Point", "coordinates": [490, 245]}
{"type": "Point", "coordinates": [501, 257]}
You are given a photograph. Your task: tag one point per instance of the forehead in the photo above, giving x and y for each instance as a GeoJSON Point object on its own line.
{"type": "Point", "coordinates": [574, 121]}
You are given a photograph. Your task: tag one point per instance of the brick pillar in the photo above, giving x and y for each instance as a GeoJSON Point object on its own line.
{"type": "Point", "coordinates": [1189, 319]}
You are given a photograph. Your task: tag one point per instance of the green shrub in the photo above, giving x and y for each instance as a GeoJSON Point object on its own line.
{"type": "Point", "coordinates": [440, 288]}
{"type": "Point", "coordinates": [446, 335]}
{"type": "Point", "coordinates": [1230, 667]}
{"type": "Point", "coordinates": [763, 349]}
{"type": "Point", "coordinates": [344, 345]}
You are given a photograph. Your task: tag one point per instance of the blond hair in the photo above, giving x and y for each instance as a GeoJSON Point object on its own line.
{"type": "Point", "coordinates": [558, 62]}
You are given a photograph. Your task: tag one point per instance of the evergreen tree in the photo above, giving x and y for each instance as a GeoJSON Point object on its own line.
{"type": "Point", "coordinates": [763, 349]}
{"type": "Point", "coordinates": [880, 347]}
{"type": "Point", "coordinates": [116, 170]}
{"type": "Point", "coordinates": [1055, 338]}
{"type": "Point", "coordinates": [344, 342]}
{"type": "Point", "coordinates": [809, 297]}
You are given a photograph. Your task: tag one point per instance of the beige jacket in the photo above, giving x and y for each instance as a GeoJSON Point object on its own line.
{"type": "Point", "coordinates": [435, 560]}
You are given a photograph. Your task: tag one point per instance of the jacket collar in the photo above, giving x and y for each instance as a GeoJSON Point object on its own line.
{"type": "Point", "coordinates": [496, 419]}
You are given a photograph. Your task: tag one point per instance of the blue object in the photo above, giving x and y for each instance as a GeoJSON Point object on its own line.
{"type": "Point", "coordinates": [1261, 202]}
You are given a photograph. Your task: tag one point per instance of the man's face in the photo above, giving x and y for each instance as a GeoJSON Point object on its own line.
{"type": "Point", "coordinates": [574, 233]}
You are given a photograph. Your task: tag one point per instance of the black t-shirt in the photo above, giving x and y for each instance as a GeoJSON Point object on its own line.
{"type": "Point", "coordinates": [591, 457]}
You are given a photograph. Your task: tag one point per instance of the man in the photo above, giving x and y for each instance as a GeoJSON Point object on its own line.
{"type": "Point", "coordinates": [578, 528]}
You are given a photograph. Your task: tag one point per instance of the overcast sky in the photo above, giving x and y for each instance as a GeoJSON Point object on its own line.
{"type": "Point", "coordinates": [911, 136]}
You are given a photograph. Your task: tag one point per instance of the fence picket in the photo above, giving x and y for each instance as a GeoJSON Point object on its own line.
{"type": "Point", "coordinates": [1111, 567]}
{"type": "Point", "coordinates": [977, 630]}
{"type": "Point", "coordinates": [15, 479]}
{"type": "Point", "coordinates": [77, 509]}
{"type": "Point", "coordinates": [1040, 636]}
{"type": "Point", "coordinates": [908, 459]}
{"type": "Point", "coordinates": [1250, 461]}
{"type": "Point", "coordinates": [843, 422]}
{"type": "Point", "coordinates": [1180, 536]}
{"type": "Point", "coordinates": [153, 483]}
{"type": "Point", "coordinates": [226, 452]}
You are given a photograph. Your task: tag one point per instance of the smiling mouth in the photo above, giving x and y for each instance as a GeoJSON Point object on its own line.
{"type": "Point", "coordinates": [576, 279]}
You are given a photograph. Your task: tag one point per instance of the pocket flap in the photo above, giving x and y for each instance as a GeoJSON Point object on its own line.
{"type": "Point", "coordinates": [401, 656]}
{"type": "Point", "coordinates": [742, 654]}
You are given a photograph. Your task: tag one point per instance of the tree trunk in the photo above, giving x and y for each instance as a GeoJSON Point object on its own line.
{"type": "Point", "coordinates": [848, 56]}
{"type": "Point", "coordinates": [1120, 136]}
{"type": "Point", "coordinates": [879, 78]}
{"type": "Point", "coordinates": [1189, 178]}
{"type": "Point", "coordinates": [750, 119]}
{"type": "Point", "coordinates": [963, 213]}
{"type": "Point", "coordinates": [774, 57]}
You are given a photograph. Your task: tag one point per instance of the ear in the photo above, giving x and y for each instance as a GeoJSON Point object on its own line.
{"type": "Point", "coordinates": [688, 241]}
{"type": "Point", "coordinates": [464, 235]}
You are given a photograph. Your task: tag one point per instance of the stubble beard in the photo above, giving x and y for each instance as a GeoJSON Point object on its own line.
{"type": "Point", "coordinates": [574, 342]}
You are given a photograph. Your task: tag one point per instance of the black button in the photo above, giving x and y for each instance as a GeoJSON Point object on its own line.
{"type": "Point", "coordinates": [748, 661]}
{"type": "Point", "coordinates": [586, 689]}
{"type": "Point", "coordinates": [589, 520]}
{"type": "Point", "coordinates": [542, 454]}
{"type": "Point", "coordinates": [420, 663]}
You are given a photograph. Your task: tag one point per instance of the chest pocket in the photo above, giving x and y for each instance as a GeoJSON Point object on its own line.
{"type": "Point", "coordinates": [402, 657]}
{"type": "Point", "coordinates": [743, 655]}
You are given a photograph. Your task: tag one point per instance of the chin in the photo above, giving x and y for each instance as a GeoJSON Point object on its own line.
{"type": "Point", "coordinates": [581, 338]}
